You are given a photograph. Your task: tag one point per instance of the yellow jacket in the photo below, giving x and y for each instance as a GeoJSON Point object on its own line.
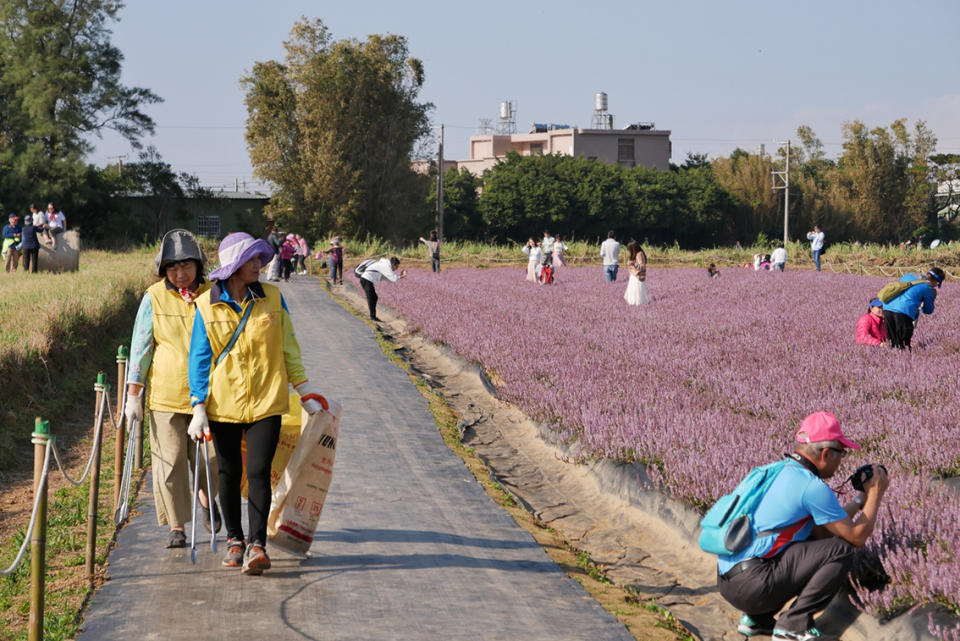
{"type": "Point", "coordinates": [251, 383]}
{"type": "Point", "coordinates": [171, 322]}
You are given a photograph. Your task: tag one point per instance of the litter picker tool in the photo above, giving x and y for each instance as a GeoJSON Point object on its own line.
{"type": "Point", "coordinates": [196, 493]}
{"type": "Point", "coordinates": [123, 496]}
{"type": "Point", "coordinates": [210, 500]}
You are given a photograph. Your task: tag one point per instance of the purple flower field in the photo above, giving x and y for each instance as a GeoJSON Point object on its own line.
{"type": "Point", "coordinates": [714, 376]}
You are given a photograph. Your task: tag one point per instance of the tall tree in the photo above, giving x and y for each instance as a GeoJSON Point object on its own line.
{"type": "Point", "coordinates": [333, 128]}
{"type": "Point", "coordinates": [60, 84]}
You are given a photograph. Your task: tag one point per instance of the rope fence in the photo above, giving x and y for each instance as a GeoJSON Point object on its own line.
{"type": "Point", "coordinates": [859, 269]}
{"type": "Point", "coordinates": [44, 449]}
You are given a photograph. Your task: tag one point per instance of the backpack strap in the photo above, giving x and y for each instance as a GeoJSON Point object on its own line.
{"type": "Point", "coordinates": [237, 332]}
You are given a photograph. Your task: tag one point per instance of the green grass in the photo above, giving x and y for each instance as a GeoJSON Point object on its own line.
{"type": "Point", "coordinates": [58, 330]}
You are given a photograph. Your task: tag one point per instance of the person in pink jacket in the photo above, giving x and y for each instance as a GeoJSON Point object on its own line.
{"type": "Point", "coordinates": [871, 329]}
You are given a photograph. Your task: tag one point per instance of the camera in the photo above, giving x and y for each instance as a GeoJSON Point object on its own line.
{"type": "Point", "coordinates": [863, 474]}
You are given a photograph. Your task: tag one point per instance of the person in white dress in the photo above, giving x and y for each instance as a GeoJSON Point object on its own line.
{"type": "Point", "coordinates": [534, 259]}
{"type": "Point", "coordinates": [558, 248]}
{"type": "Point", "coordinates": [636, 293]}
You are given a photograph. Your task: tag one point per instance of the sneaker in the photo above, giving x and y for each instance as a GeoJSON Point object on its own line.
{"type": "Point", "coordinates": [234, 555]}
{"type": "Point", "coordinates": [779, 634]}
{"type": "Point", "coordinates": [255, 560]}
{"type": "Point", "coordinates": [217, 521]}
{"type": "Point", "coordinates": [177, 539]}
{"type": "Point", "coordinates": [751, 627]}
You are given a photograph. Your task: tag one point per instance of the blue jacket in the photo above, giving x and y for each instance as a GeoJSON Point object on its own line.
{"type": "Point", "coordinates": [11, 231]}
{"type": "Point", "coordinates": [910, 301]}
{"type": "Point", "coordinates": [29, 238]}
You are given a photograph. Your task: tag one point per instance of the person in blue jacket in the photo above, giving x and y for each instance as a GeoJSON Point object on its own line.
{"type": "Point", "coordinates": [30, 245]}
{"type": "Point", "coordinates": [901, 313]}
{"type": "Point", "coordinates": [11, 240]}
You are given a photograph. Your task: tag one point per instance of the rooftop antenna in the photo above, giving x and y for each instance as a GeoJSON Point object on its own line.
{"type": "Point", "coordinates": [486, 126]}
{"type": "Point", "coordinates": [602, 119]}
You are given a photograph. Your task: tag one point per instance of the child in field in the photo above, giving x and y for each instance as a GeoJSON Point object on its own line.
{"type": "Point", "coordinates": [712, 271]}
{"type": "Point", "coordinates": [871, 329]}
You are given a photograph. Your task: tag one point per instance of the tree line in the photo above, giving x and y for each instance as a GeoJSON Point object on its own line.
{"type": "Point", "coordinates": [60, 89]}
{"type": "Point", "coordinates": [881, 189]}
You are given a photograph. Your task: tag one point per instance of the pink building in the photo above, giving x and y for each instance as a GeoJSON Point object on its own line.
{"type": "Point", "coordinates": [635, 145]}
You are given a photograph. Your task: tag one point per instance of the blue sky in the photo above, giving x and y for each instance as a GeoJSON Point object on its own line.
{"type": "Point", "coordinates": [718, 75]}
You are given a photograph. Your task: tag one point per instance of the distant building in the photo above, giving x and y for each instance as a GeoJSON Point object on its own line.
{"type": "Point", "coordinates": [212, 216]}
{"type": "Point", "coordinates": [637, 145]}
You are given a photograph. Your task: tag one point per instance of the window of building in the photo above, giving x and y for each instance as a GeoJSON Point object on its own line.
{"type": "Point", "coordinates": [625, 156]}
{"type": "Point", "coordinates": [208, 226]}
{"type": "Point", "coordinates": [536, 149]}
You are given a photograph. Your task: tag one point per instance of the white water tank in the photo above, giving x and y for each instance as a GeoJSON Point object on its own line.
{"type": "Point", "coordinates": [506, 110]}
{"type": "Point", "coordinates": [600, 101]}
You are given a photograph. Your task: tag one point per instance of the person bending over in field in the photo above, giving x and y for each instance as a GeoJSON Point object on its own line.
{"type": "Point", "coordinates": [901, 313]}
{"type": "Point", "coordinates": [807, 547]}
{"type": "Point", "coordinates": [871, 329]}
{"type": "Point", "coordinates": [383, 268]}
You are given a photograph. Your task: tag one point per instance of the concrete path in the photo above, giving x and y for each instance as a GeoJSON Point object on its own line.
{"type": "Point", "coordinates": [409, 546]}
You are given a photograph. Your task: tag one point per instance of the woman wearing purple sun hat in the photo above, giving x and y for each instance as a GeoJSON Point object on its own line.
{"type": "Point", "coordinates": [243, 355]}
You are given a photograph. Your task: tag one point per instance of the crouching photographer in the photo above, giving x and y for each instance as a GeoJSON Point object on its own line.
{"type": "Point", "coordinates": [805, 539]}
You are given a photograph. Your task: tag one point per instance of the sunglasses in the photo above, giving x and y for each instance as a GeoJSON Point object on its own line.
{"type": "Point", "coordinates": [842, 453]}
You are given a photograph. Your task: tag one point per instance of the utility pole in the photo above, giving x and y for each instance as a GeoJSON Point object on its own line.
{"type": "Point", "coordinates": [120, 160]}
{"type": "Point", "coordinates": [785, 178]}
{"type": "Point", "coordinates": [440, 187]}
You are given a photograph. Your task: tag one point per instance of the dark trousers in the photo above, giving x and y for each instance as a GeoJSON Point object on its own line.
{"type": "Point", "coordinates": [370, 290]}
{"type": "Point", "coordinates": [811, 571]}
{"type": "Point", "coordinates": [336, 272]}
{"type": "Point", "coordinates": [31, 259]}
{"type": "Point", "coordinates": [286, 267]}
{"type": "Point", "coordinates": [435, 263]}
{"type": "Point", "coordinates": [899, 329]}
{"type": "Point", "coordinates": [262, 439]}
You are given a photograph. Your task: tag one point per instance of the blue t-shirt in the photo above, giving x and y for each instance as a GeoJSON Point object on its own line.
{"type": "Point", "coordinates": [796, 500]}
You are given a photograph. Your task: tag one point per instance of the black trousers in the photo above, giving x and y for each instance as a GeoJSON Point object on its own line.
{"type": "Point", "coordinates": [371, 291]}
{"type": "Point", "coordinates": [262, 439]}
{"type": "Point", "coordinates": [435, 263]}
{"type": "Point", "coordinates": [811, 571]}
{"type": "Point", "coordinates": [899, 329]}
{"type": "Point", "coordinates": [31, 259]}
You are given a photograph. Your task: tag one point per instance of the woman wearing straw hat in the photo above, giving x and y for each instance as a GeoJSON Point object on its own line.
{"type": "Point", "coordinates": [158, 359]}
{"type": "Point", "coordinates": [243, 355]}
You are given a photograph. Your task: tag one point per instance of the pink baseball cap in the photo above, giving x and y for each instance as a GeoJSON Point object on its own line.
{"type": "Point", "coordinates": [823, 426]}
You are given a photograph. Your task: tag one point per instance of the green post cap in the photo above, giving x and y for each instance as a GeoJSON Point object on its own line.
{"type": "Point", "coordinates": [41, 427]}
{"type": "Point", "coordinates": [122, 353]}
{"type": "Point", "coordinates": [101, 378]}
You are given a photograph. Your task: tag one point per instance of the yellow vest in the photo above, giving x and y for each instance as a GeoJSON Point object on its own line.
{"type": "Point", "coordinates": [168, 388]}
{"type": "Point", "coordinates": [251, 382]}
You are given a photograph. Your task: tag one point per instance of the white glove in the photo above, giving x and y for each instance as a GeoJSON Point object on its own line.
{"type": "Point", "coordinates": [199, 427]}
{"type": "Point", "coordinates": [310, 400]}
{"type": "Point", "coordinates": [133, 409]}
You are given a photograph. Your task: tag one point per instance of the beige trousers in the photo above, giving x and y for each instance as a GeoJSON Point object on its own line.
{"type": "Point", "coordinates": [172, 453]}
